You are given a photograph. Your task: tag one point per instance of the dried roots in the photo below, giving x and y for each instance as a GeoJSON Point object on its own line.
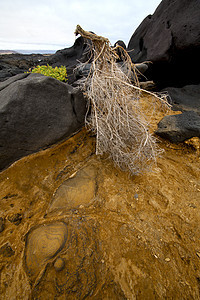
{"type": "Point", "coordinates": [117, 114]}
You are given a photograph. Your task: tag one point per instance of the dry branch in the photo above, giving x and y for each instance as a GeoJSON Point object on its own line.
{"type": "Point", "coordinates": [117, 116]}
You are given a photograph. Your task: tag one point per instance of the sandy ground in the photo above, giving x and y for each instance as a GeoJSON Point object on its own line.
{"type": "Point", "coordinates": [128, 237]}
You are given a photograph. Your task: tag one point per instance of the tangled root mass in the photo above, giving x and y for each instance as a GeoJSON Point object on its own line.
{"type": "Point", "coordinates": [122, 128]}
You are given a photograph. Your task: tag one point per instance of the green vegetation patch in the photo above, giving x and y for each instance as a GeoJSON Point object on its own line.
{"type": "Point", "coordinates": [59, 73]}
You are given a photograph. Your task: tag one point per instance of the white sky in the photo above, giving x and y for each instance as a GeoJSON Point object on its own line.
{"type": "Point", "coordinates": [50, 24]}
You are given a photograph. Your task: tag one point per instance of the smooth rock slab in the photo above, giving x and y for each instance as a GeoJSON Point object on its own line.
{"type": "Point", "coordinates": [42, 244]}
{"type": "Point", "coordinates": [76, 191]}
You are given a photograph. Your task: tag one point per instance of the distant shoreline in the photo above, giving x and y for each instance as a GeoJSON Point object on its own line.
{"type": "Point", "coordinates": [7, 52]}
{"type": "Point", "coordinates": [2, 52]}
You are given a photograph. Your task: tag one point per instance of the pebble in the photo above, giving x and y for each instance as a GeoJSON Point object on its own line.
{"type": "Point", "coordinates": [167, 259]}
{"type": "Point", "coordinates": [59, 264]}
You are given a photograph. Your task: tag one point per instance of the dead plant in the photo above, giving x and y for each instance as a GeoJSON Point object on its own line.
{"type": "Point", "coordinates": [117, 114]}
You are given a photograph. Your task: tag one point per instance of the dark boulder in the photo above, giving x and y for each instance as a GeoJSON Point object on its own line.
{"type": "Point", "coordinates": [70, 57]}
{"type": "Point", "coordinates": [186, 98]}
{"type": "Point", "coordinates": [121, 44]}
{"type": "Point", "coordinates": [170, 38]}
{"type": "Point", "coordinates": [36, 111]}
{"type": "Point", "coordinates": [119, 51]}
{"type": "Point", "coordinates": [11, 80]}
{"type": "Point", "coordinates": [178, 128]}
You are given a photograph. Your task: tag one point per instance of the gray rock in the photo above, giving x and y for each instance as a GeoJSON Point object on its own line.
{"type": "Point", "coordinates": [141, 68]}
{"type": "Point", "coordinates": [11, 80]}
{"type": "Point", "coordinates": [186, 98]}
{"type": "Point", "coordinates": [13, 64]}
{"type": "Point", "coordinates": [82, 70]}
{"type": "Point", "coordinates": [178, 128]}
{"type": "Point", "coordinates": [147, 85]}
{"type": "Point", "coordinates": [35, 112]}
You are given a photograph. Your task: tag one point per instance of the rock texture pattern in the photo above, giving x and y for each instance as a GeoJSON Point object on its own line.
{"type": "Point", "coordinates": [42, 244]}
{"type": "Point", "coordinates": [35, 112]}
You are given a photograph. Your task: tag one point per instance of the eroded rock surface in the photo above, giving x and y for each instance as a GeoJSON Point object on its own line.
{"type": "Point", "coordinates": [76, 191]}
{"type": "Point", "coordinates": [79, 276]}
{"type": "Point", "coordinates": [42, 244]}
{"type": "Point", "coordinates": [137, 239]}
